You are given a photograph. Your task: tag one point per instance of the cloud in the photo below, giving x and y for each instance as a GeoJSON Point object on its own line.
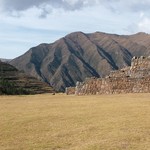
{"type": "Point", "coordinates": [18, 5]}
{"type": "Point", "coordinates": [46, 6]}
{"type": "Point", "coordinates": [138, 5]}
{"type": "Point", "coordinates": [21, 20]}
{"type": "Point", "coordinates": [14, 8]}
{"type": "Point", "coordinates": [132, 15]}
{"type": "Point", "coordinates": [144, 25]}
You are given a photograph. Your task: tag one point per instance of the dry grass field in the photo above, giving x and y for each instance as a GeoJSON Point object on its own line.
{"type": "Point", "coordinates": [59, 122]}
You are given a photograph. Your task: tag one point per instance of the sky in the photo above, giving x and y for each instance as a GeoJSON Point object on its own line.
{"type": "Point", "coordinates": [27, 23]}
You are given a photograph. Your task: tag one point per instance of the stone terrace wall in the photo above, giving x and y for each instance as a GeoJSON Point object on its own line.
{"type": "Point", "coordinates": [70, 90]}
{"type": "Point", "coordinates": [134, 79]}
{"type": "Point", "coordinates": [140, 63]}
{"type": "Point", "coordinates": [114, 86]}
{"type": "Point", "coordinates": [140, 67]}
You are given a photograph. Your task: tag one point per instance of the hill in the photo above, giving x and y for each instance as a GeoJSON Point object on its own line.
{"type": "Point", "coordinates": [14, 82]}
{"type": "Point", "coordinates": [5, 60]}
{"type": "Point", "coordinates": [79, 55]}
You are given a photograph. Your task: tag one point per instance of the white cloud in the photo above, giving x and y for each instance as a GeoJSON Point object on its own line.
{"type": "Point", "coordinates": [142, 14]}
{"type": "Point", "coordinates": [144, 25]}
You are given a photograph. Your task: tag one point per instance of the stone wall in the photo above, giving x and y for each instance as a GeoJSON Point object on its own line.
{"type": "Point", "coordinates": [134, 79]}
{"type": "Point", "coordinates": [114, 86]}
{"type": "Point", "coordinates": [70, 90]}
{"type": "Point", "coordinates": [140, 67]}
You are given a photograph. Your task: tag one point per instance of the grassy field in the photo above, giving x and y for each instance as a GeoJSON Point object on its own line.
{"type": "Point", "coordinates": [59, 122]}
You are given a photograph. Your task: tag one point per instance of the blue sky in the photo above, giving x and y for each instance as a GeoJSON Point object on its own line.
{"type": "Point", "coordinates": [27, 23]}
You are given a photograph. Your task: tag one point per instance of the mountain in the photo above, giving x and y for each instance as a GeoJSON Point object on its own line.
{"type": "Point", "coordinates": [79, 55]}
{"type": "Point", "coordinates": [14, 82]}
{"type": "Point", "coordinates": [5, 60]}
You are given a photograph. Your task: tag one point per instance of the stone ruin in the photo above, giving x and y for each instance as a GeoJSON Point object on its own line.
{"type": "Point", "coordinates": [133, 79]}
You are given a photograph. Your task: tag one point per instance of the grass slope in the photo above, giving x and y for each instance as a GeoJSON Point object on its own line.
{"type": "Point", "coordinates": [46, 122]}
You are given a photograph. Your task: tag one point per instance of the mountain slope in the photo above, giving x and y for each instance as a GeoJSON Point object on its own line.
{"type": "Point", "coordinates": [13, 82]}
{"type": "Point", "coordinates": [79, 55]}
{"type": "Point", "coordinates": [5, 60]}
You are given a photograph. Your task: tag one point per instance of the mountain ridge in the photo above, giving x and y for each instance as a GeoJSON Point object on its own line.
{"type": "Point", "coordinates": [79, 55]}
{"type": "Point", "coordinates": [5, 60]}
